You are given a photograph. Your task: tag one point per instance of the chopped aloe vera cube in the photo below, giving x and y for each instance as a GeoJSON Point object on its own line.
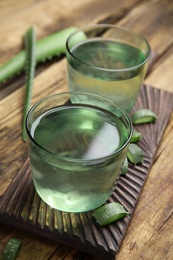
{"type": "Point", "coordinates": [124, 168]}
{"type": "Point", "coordinates": [135, 136]}
{"type": "Point", "coordinates": [12, 249]}
{"type": "Point", "coordinates": [110, 212]}
{"type": "Point", "coordinates": [134, 154]}
{"type": "Point", "coordinates": [143, 116]}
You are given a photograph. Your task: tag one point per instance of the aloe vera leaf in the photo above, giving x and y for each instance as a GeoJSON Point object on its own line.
{"type": "Point", "coordinates": [13, 66]}
{"type": "Point", "coordinates": [30, 42]}
{"type": "Point", "coordinates": [143, 116]}
{"type": "Point", "coordinates": [125, 166]}
{"type": "Point", "coordinates": [47, 47]}
{"type": "Point", "coordinates": [12, 249]}
{"type": "Point", "coordinates": [135, 136]}
{"type": "Point", "coordinates": [134, 154]}
{"type": "Point", "coordinates": [53, 45]}
{"type": "Point", "coordinates": [109, 213]}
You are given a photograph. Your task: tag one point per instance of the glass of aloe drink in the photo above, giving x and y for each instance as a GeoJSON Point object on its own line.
{"type": "Point", "coordinates": [108, 60]}
{"type": "Point", "coordinates": [77, 143]}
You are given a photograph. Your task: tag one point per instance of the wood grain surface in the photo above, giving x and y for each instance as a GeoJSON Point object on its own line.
{"type": "Point", "coordinates": [149, 235]}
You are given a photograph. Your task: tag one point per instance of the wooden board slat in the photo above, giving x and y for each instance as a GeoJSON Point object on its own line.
{"type": "Point", "coordinates": [20, 205]}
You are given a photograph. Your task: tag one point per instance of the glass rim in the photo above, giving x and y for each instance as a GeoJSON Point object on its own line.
{"type": "Point", "coordinates": [109, 26]}
{"type": "Point", "coordinates": [74, 160]}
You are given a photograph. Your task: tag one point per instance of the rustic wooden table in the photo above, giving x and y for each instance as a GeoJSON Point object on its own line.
{"type": "Point", "coordinates": [149, 235]}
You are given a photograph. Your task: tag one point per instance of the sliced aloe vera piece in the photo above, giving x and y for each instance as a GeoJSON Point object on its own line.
{"type": "Point", "coordinates": [143, 116]}
{"type": "Point", "coordinates": [124, 168]}
{"type": "Point", "coordinates": [110, 212]}
{"type": "Point", "coordinates": [135, 136]}
{"type": "Point", "coordinates": [134, 154]}
{"type": "Point", "coordinates": [11, 250]}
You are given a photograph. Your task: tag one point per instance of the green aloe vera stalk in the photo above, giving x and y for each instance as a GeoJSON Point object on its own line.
{"type": "Point", "coordinates": [124, 169]}
{"type": "Point", "coordinates": [134, 154]}
{"type": "Point", "coordinates": [11, 250]}
{"type": "Point", "coordinates": [143, 116]}
{"type": "Point", "coordinates": [109, 213]}
{"type": "Point", "coordinates": [46, 48]}
{"type": "Point", "coordinates": [135, 136]}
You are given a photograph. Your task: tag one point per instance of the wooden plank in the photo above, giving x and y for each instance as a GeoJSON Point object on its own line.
{"type": "Point", "coordinates": [10, 7]}
{"type": "Point", "coordinates": [161, 75]}
{"type": "Point", "coordinates": [154, 20]}
{"type": "Point", "coordinates": [52, 15]}
{"type": "Point", "coordinates": [153, 217]}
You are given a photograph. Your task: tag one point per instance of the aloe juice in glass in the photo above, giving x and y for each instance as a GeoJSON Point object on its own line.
{"type": "Point", "coordinates": [77, 149]}
{"type": "Point", "coordinates": [107, 60]}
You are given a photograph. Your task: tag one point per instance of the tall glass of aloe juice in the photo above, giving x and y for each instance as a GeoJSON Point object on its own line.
{"type": "Point", "coordinates": [77, 143]}
{"type": "Point", "coordinates": [107, 60]}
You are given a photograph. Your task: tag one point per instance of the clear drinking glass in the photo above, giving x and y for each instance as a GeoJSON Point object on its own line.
{"type": "Point", "coordinates": [108, 60]}
{"type": "Point", "coordinates": [77, 149]}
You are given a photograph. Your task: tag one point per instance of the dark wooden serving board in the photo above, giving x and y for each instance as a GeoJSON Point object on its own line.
{"type": "Point", "coordinates": [20, 206]}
